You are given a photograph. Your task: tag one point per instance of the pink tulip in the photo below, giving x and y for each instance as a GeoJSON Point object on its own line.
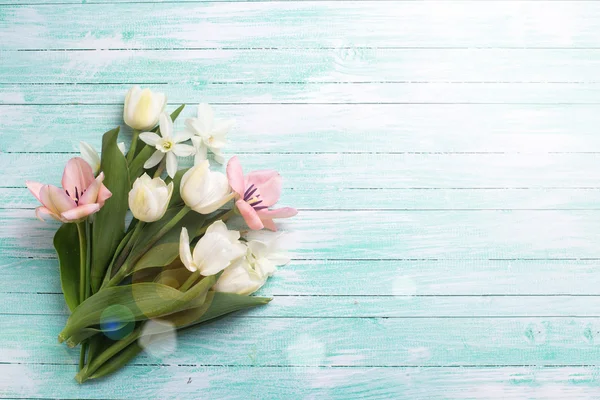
{"type": "Point", "coordinates": [257, 191]}
{"type": "Point", "coordinates": [82, 195]}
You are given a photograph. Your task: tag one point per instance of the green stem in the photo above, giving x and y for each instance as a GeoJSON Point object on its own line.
{"type": "Point", "coordinates": [124, 270]}
{"type": "Point", "coordinates": [122, 244]}
{"type": "Point", "coordinates": [190, 281]}
{"type": "Point", "coordinates": [161, 168]}
{"type": "Point", "coordinates": [84, 273]}
{"type": "Point", "coordinates": [134, 140]}
{"type": "Point", "coordinates": [107, 354]}
{"type": "Point", "coordinates": [124, 253]}
{"type": "Point", "coordinates": [82, 260]}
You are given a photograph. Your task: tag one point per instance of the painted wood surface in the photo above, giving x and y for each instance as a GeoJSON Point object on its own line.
{"type": "Point", "coordinates": [443, 155]}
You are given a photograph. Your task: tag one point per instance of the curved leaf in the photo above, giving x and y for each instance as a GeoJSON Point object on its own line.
{"type": "Point", "coordinates": [66, 243]}
{"type": "Point", "coordinates": [109, 222]}
{"type": "Point", "coordinates": [225, 303]}
{"type": "Point", "coordinates": [135, 302]}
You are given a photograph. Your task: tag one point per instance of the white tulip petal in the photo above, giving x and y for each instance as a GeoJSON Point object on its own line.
{"type": "Point", "coordinates": [185, 253]}
{"type": "Point", "coordinates": [154, 159]}
{"type": "Point", "coordinates": [239, 278]}
{"type": "Point", "coordinates": [212, 253]}
{"type": "Point", "coordinates": [171, 164]}
{"type": "Point", "coordinates": [90, 155]}
{"type": "Point", "coordinates": [150, 138]}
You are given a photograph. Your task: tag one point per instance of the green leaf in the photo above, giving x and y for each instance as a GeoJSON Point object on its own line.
{"type": "Point", "coordinates": [117, 362]}
{"type": "Point", "coordinates": [136, 168]}
{"type": "Point", "coordinates": [109, 222]}
{"type": "Point", "coordinates": [225, 303]}
{"type": "Point", "coordinates": [66, 243]}
{"type": "Point", "coordinates": [166, 249]}
{"type": "Point", "coordinates": [135, 302]}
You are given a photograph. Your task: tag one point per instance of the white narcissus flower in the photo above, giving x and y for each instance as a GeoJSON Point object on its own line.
{"type": "Point", "coordinates": [249, 273]}
{"type": "Point", "coordinates": [213, 252]}
{"type": "Point", "coordinates": [167, 145]}
{"type": "Point", "coordinates": [203, 190]}
{"type": "Point", "coordinates": [142, 108]}
{"type": "Point", "coordinates": [149, 198]}
{"type": "Point", "coordinates": [208, 133]}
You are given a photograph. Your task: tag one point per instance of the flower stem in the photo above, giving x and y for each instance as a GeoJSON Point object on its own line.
{"type": "Point", "coordinates": [83, 231]}
{"type": "Point", "coordinates": [161, 168]}
{"type": "Point", "coordinates": [124, 253]}
{"type": "Point", "coordinates": [124, 270]}
{"type": "Point", "coordinates": [107, 354]}
{"type": "Point", "coordinates": [134, 140]}
{"type": "Point", "coordinates": [190, 281]}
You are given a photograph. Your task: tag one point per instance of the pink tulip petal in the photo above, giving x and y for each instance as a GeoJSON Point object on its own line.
{"type": "Point", "coordinates": [103, 195]}
{"type": "Point", "coordinates": [34, 188]}
{"type": "Point", "coordinates": [268, 183]}
{"type": "Point", "coordinates": [45, 211]}
{"type": "Point", "coordinates": [250, 216]}
{"type": "Point", "coordinates": [284, 212]}
{"type": "Point", "coordinates": [55, 199]}
{"type": "Point", "coordinates": [96, 192]}
{"type": "Point", "coordinates": [78, 176]}
{"type": "Point", "coordinates": [270, 225]}
{"type": "Point", "coordinates": [235, 175]}
{"type": "Point", "coordinates": [80, 212]}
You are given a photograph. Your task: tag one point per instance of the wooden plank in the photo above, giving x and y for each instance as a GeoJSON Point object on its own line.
{"type": "Point", "coordinates": [304, 306]}
{"type": "Point", "coordinates": [390, 171]}
{"type": "Point", "coordinates": [331, 128]}
{"type": "Point", "coordinates": [176, 382]}
{"type": "Point", "coordinates": [388, 235]}
{"type": "Point", "coordinates": [301, 24]}
{"type": "Point", "coordinates": [412, 199]}
{"type": "Point", "coordinates": [353, 342]}
{"type": "Point", "coordinates": [522, 93]}
{"type": "Point", "coordinates": [403, 278]}
{"type": "Point", "coordinates": [301, 65]}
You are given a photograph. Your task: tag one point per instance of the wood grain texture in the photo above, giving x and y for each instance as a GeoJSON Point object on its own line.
{"type": "Point", "coordinates": [443, 155]}
{"type": "Point", "coordinates": [302, 24]}
{"type": "Point", "coordinates": [421, 383]}
{"type": "Point", "coordinates": [363, 64]}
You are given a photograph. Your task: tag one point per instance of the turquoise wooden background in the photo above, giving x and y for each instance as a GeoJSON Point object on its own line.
{"type": "Point", "coordinates": [444, 155]}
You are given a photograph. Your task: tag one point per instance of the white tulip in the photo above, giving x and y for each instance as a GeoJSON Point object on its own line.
{"type": "Point", "coordinates": [149, 198]}
{"type": "Point", "coordinates": [142, 108]}
{"type": "Point", "coordinates": [213, 252]}
{"type": "Point", "coordinates": [249, 273]}
{"type": "Point", "coordinates": [239, 278]}
{"type": "Point", "coordinates": [90, 155]}
{"type": "Point", "coordinates": [203, 190]}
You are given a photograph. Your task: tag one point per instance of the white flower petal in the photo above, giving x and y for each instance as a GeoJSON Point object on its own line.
{"type": "Point", "coordinates": [185, 253]}
{"type": "Point", "coordinates": [206, 116]}
{"type": "Point", "coordinates": [166, 125]}
{"type": "Point", "coordinates": [150, 138]}
{"type": "Point", "coordinates": [183, 150]}
{"type": "Point", "coordinates": [182, 136]}
{"type": "Point", "coordinates": [90, 155]}
{"type": "Point", "coordinates": [121, 146]}
{"type": "Point", "coordinates": [154, 159]}
{"type": "Point", "coordinates": [171, 164]}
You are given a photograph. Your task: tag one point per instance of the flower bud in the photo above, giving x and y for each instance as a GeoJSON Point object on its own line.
{"type": "Point", "coordinates": [149, 198]}
{"type": "Point", "coordinates": [203, 190]}
{"type": "Point", "coordinates": [142, 108]}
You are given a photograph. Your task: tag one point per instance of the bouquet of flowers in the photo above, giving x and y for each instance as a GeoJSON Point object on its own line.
{"type": "Point", "coordinates": [128, 272]}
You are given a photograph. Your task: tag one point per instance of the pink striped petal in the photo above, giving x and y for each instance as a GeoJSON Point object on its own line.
{"type": "Point", "coordinates": [45, 211]}
{"type": "Point", "coordinates": [250, 216]}
{"type": "Point", "coordinates": [34, 188]}
{"type": "Point", "coordinates": [268, 183]}
{"type": "Point", "coordinates": [78, 176]}
{"type": "Point", "coordinates": [284, 212]}
{"type": "Point", "coordinates": [80, 212]}
{"type": "Point", "coordinates": [55, 199]}
{"type": "Point", "coordinates": [235, 175]}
